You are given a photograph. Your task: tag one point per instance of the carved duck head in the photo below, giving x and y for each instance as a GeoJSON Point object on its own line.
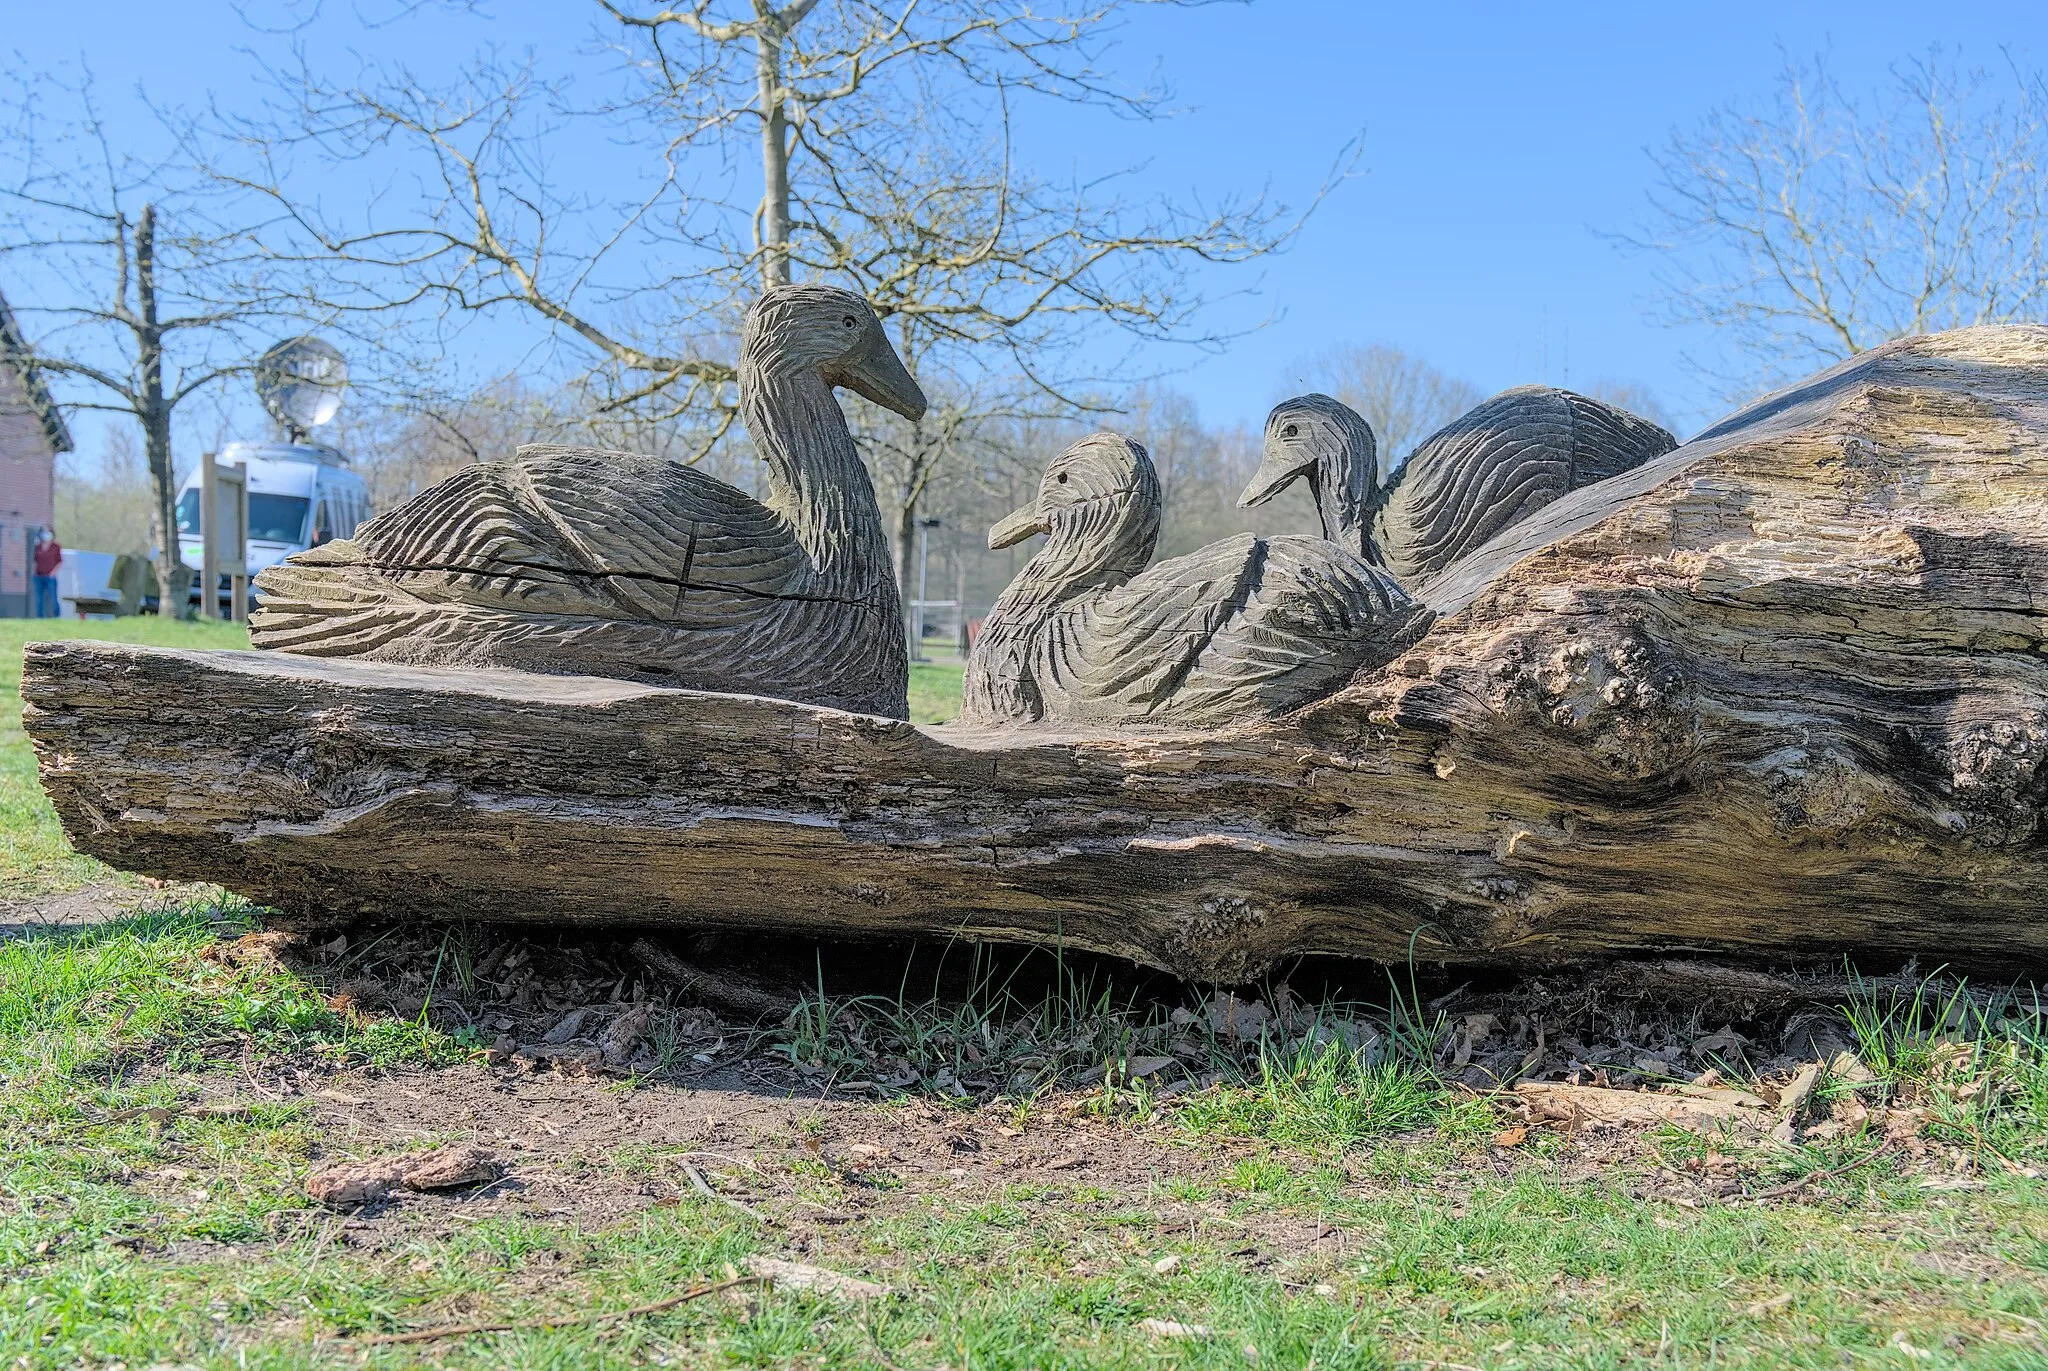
{"type": "Point", "coordinates": [836, 334]}
{"type": "Point", "coordinates": [1098, 506]}
{"type": "Point", "coordinates": [1329, 444]}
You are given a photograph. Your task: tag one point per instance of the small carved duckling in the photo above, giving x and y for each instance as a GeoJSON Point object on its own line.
{"type": "Point", "coordinates": [1493, 466]}
{"type": "Point", "coordinates": [1240, 630]}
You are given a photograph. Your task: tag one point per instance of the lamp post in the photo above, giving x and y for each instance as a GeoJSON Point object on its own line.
{"type": "Point", "coordinates": [924, 528]}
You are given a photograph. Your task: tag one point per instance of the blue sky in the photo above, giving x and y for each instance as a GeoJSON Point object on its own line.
{"type": "Point", "coordinates": [1502, 142]}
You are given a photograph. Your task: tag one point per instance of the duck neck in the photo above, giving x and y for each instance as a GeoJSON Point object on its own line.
{"type": "Point", "coordinates": [1093, 547]}
{"type": "Point", "coordinates": [815, 477]}
{"type": "Point", "coordinates": [1343, 492]}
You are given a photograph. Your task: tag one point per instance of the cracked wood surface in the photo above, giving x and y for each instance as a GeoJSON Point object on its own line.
{"type": "Point", "coordinates": [1778, 691]}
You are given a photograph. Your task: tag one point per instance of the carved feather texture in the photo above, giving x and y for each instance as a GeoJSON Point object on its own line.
{"type": "Point", "coordinates": [1242, 629]}
{"type": "Point", "coordinates": [1496, 465]}
{"type": "Point", "coordinates": [603, 563]}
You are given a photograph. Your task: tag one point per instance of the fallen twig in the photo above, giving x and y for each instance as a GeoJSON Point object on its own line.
{"type": "Point", "coordinates": [704, 1188]}
{"type": "Point", "coordinates": [729, 991]}
{"type": "Point", "coordinates": [463, 1330]}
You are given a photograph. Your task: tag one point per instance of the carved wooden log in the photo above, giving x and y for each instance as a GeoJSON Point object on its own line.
{"type": "Point", "coordinates": [1781, 690]}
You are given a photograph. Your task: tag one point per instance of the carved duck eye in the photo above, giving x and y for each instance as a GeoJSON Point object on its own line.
{"type": "Point", "coordinates": [849, 321]}
{"type": "Point", "coordinates": [1063, 478]}
{"type": "Point", "coordinates": [1290, 431]}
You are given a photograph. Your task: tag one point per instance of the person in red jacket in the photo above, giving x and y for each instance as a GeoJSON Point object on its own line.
{"type": "Point", "coordinates": [49, 556]}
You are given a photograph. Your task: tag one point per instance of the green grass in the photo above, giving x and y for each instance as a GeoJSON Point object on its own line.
{"type": "Point", "coordinates": [183, 1239]}
{"type": "Point", "coordinates": [34, 857]}
{"type": "Point", "coordinates": [934, 692]}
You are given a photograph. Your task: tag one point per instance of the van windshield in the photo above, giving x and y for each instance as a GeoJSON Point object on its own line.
{"type": "Point", "coordinates": [272, 518]}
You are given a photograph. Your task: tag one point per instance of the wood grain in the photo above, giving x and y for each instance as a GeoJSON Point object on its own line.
{"type": "Point", "coordinates": [609, 563]}
{"type": "Point", "coordinates": [1246, 628]}
{"type": "Point", "coordinates": [1781, 691]}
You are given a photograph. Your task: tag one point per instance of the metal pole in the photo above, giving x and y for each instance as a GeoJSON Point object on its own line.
{"type": "Point", "coordinates": [923, 550]}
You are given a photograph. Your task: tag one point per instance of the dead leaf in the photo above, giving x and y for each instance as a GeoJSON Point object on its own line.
{"type": "Point", "coordinates": [815, 1280]}
{"type": "Point", "coordinates": [1769, 1306]}
{"type": "Point", "coordinates": [1235, 1018]}
{"type": "Point", "coordinates": [1723, 1039]}
{"type": "Point", "coordinates": [252, 951]}
{"type": "Point", "coordinates": [625, 1034]}
{"type": "Point", "coordinates": [1166, 1266]}
{"type": "Point", "coordinates": [568, 1027]}
{"type": "Point", "coordinates": [1792, 1098]}
{"type": "Point", "coordinates": [1511, 1137]}
{"type": "Point", "coordinates": [1901, 1125]}
{"type": "Point", "coordinates": [1145, 1066]}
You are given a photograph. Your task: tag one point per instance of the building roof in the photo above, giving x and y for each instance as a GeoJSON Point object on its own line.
{"type": "Point", "coordinates": [15, 349]}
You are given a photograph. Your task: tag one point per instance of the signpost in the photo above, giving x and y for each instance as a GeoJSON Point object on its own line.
{"type": "Point", "coordinates": [223, 537]}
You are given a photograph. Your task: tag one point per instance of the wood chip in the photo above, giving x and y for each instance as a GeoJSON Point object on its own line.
{"type": "Point", "coordinates": [1579, 1105]}
{"type": "Point", "coordinates": [351, 1185]}
{"type": "Point", "coordinates": [814, 1280]}
{"type": "Point", "coordinates": [447, 1168]}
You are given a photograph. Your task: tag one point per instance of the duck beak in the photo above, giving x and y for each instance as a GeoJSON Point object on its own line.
{"type": "Point", "coordinates": [878, 374]}
{"type": "Point", "coordinates": [1275, 474]}
{"type": "Point", "coordinates": [1016, 528]}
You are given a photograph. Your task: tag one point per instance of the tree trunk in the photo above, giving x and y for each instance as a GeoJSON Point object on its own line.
{"type": "Point", "coordinates": [1780, 691]}
{"type": "Point", "coordinates": [906, 569]}
{"type": "Point", "coordinates": [155, 415]}
{"type": "Point", "coordinates": [774, 161]}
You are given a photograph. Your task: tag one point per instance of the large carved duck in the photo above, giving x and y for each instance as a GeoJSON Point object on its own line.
{"type": "Point", "coordinates": [614, 564]}
{"type": "Point", "coordinates": [1493, 466]}
{"type": "Point", "coordinates": [1242, 629]}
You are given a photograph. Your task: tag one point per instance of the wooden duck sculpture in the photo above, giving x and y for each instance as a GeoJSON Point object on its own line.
{"type": "Point", "coordinates": [1491, 467]}
{"type": "Point", "coordinates": [1239, 630]}
{"type": "Point", "coordinates": [613, 564]}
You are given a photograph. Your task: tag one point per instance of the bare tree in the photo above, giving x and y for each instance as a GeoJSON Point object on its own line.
{"type": "Point", "coordinates": [135, 307]}
{"type": "Point", "coordinates": [1403, 397]}
{"type": "Point", "coordinates": [882, 134]}
{"type": "Point", "coordinates": [105, 503]}
{"type": "Point", "coordinates": [1824, 224]}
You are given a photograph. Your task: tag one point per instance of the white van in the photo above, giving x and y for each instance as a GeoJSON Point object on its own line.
{"type": "Point", "coordinates": [300, 495]}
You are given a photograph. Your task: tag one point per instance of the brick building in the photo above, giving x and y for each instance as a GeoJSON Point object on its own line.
{"type": "Point", "coordinates": [32, 433]}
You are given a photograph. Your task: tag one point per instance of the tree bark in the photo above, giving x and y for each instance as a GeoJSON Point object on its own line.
{"type": "Point", "coordinates": [774, 158]}
{"type": "Point", "coordinates": [1781, 691]}
{"type": "Point", "coordinates": [155, 415]}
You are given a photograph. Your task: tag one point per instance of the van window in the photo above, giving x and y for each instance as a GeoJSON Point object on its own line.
{"type": "Point", "coordinates": [272, 518]}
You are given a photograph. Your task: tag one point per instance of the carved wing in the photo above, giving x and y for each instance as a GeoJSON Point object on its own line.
{"type": "Point", "coordinates": [1498, 464]}
{"type": "Point", "coordinates": [1239, 630]}
{"type": "Point", "coordinates": [570, 532]}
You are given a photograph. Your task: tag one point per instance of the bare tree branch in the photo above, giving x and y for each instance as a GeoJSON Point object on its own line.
{"type": "Point", "coordinates": [1825, 224]}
